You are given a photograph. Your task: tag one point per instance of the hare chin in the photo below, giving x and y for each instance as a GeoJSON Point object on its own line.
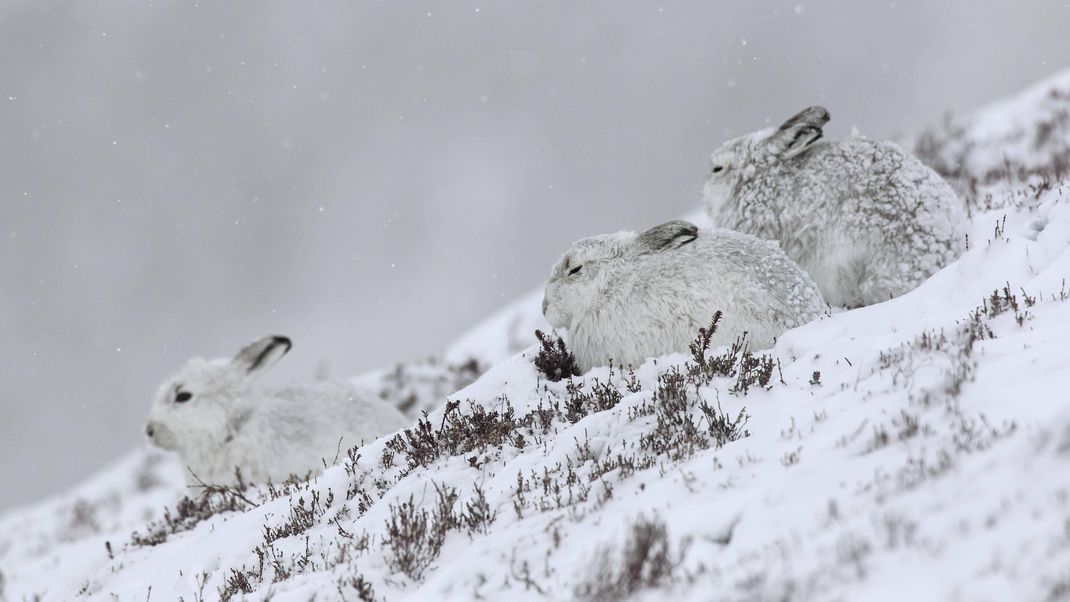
{"type": "Point", "coordinates": [840, 271]}
{"type": "Point", "coordinates": [715, 195]}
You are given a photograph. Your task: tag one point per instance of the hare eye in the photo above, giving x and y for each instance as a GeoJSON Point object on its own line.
{"type": "Point", "coordinates": [575, 270]}
{"type": "Point", "coordinates": [183, 397]}
{"type": "Point", "coordinates": [718, 168]}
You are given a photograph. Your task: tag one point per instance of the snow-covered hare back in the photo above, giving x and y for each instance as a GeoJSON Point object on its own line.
{"type": "Point", "coordinates": [627, 297]}
{"type": "Point", "coordinates": [216, 420]}
{"type": "Point", "coordinates": [865, 219]}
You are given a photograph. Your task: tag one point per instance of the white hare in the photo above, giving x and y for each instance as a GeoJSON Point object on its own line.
{"type": "Point", "coordinates": [213, 416]}
{"type": "Point", "coordinates": [626, 297]}
{"type": "Point", "coordinates": [865, 219]}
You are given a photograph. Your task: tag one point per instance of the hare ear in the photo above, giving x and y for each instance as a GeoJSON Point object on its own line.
{"type": "Point", "coordinates": [669, 235]}
{"type": "Point", "coordinates": [798, 133]}
{"type": "Point", "coordinates": [262, 354]}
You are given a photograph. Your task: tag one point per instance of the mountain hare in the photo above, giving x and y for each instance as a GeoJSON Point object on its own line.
{"type": "Point", "coordinates": [213, 416]}
{"type": "Point", "coordinates": [626, 297]}
{"type": "Point", "coordinates": [865, 219]}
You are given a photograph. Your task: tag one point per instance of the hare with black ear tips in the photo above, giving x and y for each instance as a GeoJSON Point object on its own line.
{"type": "Point", "coordinates": [864, 218]}
{"type": "Point", "coordinates": [214, 416]}
{"type": "Point", "coordinates": [627, 297]}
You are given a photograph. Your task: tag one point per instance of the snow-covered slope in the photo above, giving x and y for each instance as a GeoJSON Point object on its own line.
{"type": "Point", "coordinates": [67, 536]}
{"type": "Point", "coordinates": [917, 449]}
{"type": "Point", "coordinates": [507, 332]}
{"type": "Point", "coordinates": [422, 386]}
{"type": "Point", "coordinates": [1007, 140]}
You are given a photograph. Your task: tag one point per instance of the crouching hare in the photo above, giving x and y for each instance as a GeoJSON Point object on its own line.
{"type": "Point", "coordinates": [213, 416]}
{"type": "Point", "coordinates": [626, 297]}
{"type": "Point", "coordinates": [865, 219]}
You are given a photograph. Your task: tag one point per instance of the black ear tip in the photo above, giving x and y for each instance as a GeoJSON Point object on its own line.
{"type": "Point", "coordinates": [814, 116]}
{"type": "Point", "coordinates": [254, 355]}
{"type": "Point", "coordinates": [281, 340]}
{"type": "Point", "coordinates": [685, 227]}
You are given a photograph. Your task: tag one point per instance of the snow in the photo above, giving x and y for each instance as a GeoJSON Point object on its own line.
{"type": "Point", "coordinates": [507, 332]}
{"type": "Point", "coordinates": [926, 461]}
{"type": "Point", "coordinates": [69, 532]}
{"type": "Point", "coordinates": [1024, 134]}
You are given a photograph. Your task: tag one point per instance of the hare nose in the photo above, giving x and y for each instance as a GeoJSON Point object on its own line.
{"type": "Point", "coordinates": [149, 430]}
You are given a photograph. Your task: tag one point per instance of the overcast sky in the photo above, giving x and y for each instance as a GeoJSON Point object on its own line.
{"type": "Point", "coordinates": [177, 178]}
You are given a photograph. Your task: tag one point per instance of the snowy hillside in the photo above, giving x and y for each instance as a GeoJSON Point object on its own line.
{"type": "Point", "coordinates": [917, 449]}
{"type": "Point", "coordinates": [1008, 141]}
